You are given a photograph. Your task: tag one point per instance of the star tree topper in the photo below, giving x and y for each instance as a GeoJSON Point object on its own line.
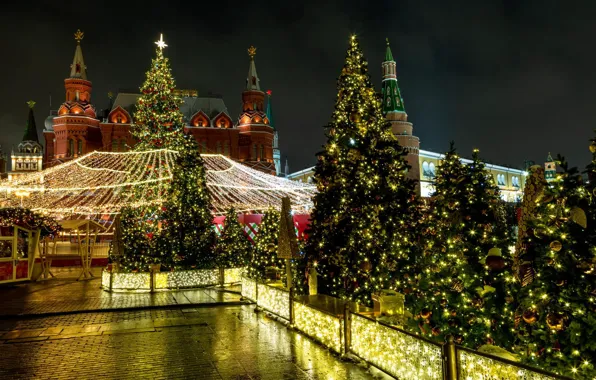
{"type": "Point", "coordinates": [161, 43]}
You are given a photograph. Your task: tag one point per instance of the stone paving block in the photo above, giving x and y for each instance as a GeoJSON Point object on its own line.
{"type": "Point", "coordinates": [51, 331]}
{"type": "Point", "coordinates": [11, 335]}
{"type": "Point", "coordinates": [71, 330]}
{"type": "Point", "coordinates": [128, 331]}
{"type": "Point", "coordinates": [77, 335]}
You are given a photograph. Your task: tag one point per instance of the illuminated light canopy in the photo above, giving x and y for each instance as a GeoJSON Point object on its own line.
{"type": "Point", "coordinates": [100, 183]}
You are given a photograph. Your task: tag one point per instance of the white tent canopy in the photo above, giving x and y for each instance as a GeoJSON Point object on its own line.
{"type": "Point", "coordinates": [101, 183]}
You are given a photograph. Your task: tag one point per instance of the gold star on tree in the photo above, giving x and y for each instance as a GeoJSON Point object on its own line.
{"type": "Point", "coordinates": [252, 51]}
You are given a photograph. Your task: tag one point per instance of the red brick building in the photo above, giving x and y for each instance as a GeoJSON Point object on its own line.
{"type": "Point", "coordinates": [77, 129]}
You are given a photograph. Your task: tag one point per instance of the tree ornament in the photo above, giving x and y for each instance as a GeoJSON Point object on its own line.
{"type": "Point", "coordinates": [425, 313]}
{"type": "Point", "coordinates": [561, 282]}
{"type": "Point", "coordinates": [495, 260]}
{"type": "Point", "coordinates": [530, 316]}
{"type": "Point", "coordinates": [443, 302]}
{"type": "Point", "coordinates": [436, 331]}
{"type": "Point", "coordinates": [593, 147]}
{"type": "Point", "coordinates": [509, 299]}
{"type": "Point", "coordinates": [555, 321]}
{"type": "Point", "coordinates": [457, 285]}
{"type": "Point", "coordinates": [366, 266]}
{"type": "Point", "coordinates": [458, 339]}
{"type": "Point", "coordinates": [556, 245]}
{"type": "Point", "coordinates": [579, 216]}
{"type": "Point", "coordinates": [478, 302]}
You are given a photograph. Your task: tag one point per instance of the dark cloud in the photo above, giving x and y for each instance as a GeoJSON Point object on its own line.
{"type": "Point", "coordinates": [513, 78]}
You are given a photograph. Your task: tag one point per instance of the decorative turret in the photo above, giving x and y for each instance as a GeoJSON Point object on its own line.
{"type": "Point", "coordinates": [395, 112]}
{"type": "Point", "coordinates": [31, 128]}
{"type": "Point", "coordinates": [29, 154]}
{"type": "Point", "coordinates": [276, 152]}
{"type": "Point", "coordinates": [550, 168]}
{"type": "Point", "coordinates": [255, 145]}
{"type": "Point", "coordinates": [76, 126]}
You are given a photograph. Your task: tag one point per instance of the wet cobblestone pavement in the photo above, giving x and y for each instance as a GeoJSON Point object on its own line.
{"type": "Point", "coordinates": [65, 295]}
{"type": "Point", "coordinates": [195, 343]}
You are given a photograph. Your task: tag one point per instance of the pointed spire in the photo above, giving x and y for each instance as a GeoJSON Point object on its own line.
{"type": "Point", "coordinates": [392, 100]}
{"type": "Point", "coordinates": [269, 110]}
{"type": "Point", "coordinates": [31, 128]}
{"type": "Point", "coordinates": [252, 80]}
{"type": "Point", "coordinates": [549, 158]}
{"type": "Point", "coordinates": [78, 68]}
{"type": "Point", "coordinates": [287, 168]}
{"type": "Point", "coordinates": [388, 55]}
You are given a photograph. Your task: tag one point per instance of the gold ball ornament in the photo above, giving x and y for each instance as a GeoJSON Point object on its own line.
{"type": "Point", "coordinates": [458, 339]}
{"type": "Point", "coordinates": [556, 245]}
{"type": "Point", "coordinates": [555, 321]}
{"type": "Point", "coordinates": [530, 316]}
{"type": "Point", "coordinates": [425, 313]}
{"type": "Point", "coordinates": [495, 260]}
{"type": "Point", "coordinates": [593, 147]}
{"type": "Point", "coordinates": [509, 299]}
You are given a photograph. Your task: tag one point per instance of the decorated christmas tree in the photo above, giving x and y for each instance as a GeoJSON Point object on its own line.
{"type": "Point", "coordinates": [172, 224]}
{"type": "Point", "coordinates": [264, 264]}
{"type": "Point", "coordinates": [233, 247]}
{"type": "Point", "coordinates": [187, 233]}
{"type": "Point", "coordinates": [363, 194]}
{"type": "Point", "coordinates": [158, 122]}
{"type": "Point", "coordinates": [556, 320]}
{"type": "Point", "coordinates": [466, 289]}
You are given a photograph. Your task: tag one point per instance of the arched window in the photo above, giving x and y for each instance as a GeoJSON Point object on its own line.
{"type": "Point", "coordinates": [115, 146]}
{"type": "Point", "coordinates": [227, 148]}
{"type": "Point", "coordinates": [123, 145]}
{"type": "Point", "coordinates": [425, 169]}
{"type": "Point", "coordinates": [80, 147]}
{"type": "Point", "coordinates": [431, 169]}
{"type": "Point", "coordinates": [218, 147]}
{"type": "Point", "coordinates": [254, 152]}
{"type": "Point", "coordinates": [262, 152]}
{"type": "Point", "coordinates": [70, 147]}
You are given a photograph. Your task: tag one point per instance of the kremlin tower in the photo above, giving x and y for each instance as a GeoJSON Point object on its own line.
{"type": "Point", "coordinates": [28, 157]}
{"type": "Point", "coordinates": [75, 130]}
{"type": "Point", "coordinates": [276, 152]}
{"type": "Point", "coordinates": [395, 112]}
{"type": "Point", "coordinates": [255, 144]}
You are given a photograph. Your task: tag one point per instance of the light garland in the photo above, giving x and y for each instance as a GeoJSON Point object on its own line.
{"type": "Point", "coordinates": [320, 326]}
{"type": "Point", "coordinates": [396, 353]}
{"type": "Point", "coordinates": [233, 275]}
{"type": "Point", "coordinates": [97, 184]}
{"type": "Point", "coordinates": [476, 367]}
{"type": "Point", "coordinates": [249, 288]}
{"type": "Point", "coordinates": [274, 299]}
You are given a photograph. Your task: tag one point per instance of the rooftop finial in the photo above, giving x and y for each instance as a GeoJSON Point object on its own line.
{"type": "Point", "coordinates": [31, 103]}
{"type": "Point", "coordinates": [387, 40]}
{"type": "Point", "coordinates": [79, 36]}
{"type": "Point", "coordinates": [252, 51]}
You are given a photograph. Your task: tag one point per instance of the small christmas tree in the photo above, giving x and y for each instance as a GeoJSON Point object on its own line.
{"type": "Point", "coordinates": [264, 264]}
{"type": "Point", "coordinates": [557, 316]}
{"type": "Point", "coordinates": [363, 193]}
{"type": "Point", "coordinates": [187, 221]}
{"type": "Point", "coordinates": [233, 248]}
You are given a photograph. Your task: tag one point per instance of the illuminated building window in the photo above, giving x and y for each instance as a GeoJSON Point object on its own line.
{"type": "Point", "coordinates": [431, 168]}
{"type": "Point", "coordinates": [515, 181]}
{"type": "Point", "coordinates": [501, 179]}
{"type": "Point", "coordinates": [70, 147]}
{"type": "Point", "coordinates": [428, 169]}
{"type": "Point", "coordinates": [80, 147]}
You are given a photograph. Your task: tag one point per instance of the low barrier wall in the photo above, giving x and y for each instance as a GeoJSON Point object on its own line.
{"type": "Point", "coordinates": [397, 352]}
{"type": "Point", "coordinates": [159, 281]}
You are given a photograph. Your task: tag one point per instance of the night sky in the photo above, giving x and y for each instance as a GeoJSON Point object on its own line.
{"type": "Point", "coordinates": [513, 78]}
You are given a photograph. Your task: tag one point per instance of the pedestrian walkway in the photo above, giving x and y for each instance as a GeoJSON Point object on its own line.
{"type": "Point", "coordinates": [66, 295]}
{"type": "Point", "coordinates": [225, 342]}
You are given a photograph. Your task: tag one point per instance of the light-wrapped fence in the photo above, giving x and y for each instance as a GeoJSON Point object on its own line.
{"type": "Point", "coordinates": [477, 366]}
{"type": "Point", "coordinates": [394, 351]}
{"type": "Point", "coordinates": [274, 299]}
{"type": "Point", "coordinates": [145, 281]}
{"type": "Point", "coordinates": [233, 275]}
{"type": "Point", "coordinates": [249, 288]}
{"type": "Point", "coordinates": [319, 325]}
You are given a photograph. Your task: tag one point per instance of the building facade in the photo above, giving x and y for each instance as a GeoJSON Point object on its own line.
{"type": "Point", "coordinates": [423, 163]}
{"type": "Point", "coordinates": [77, 129]}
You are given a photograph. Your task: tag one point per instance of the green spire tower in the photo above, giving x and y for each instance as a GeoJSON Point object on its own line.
{"type": "Point", "coordinates": [550, 168]}
{"type": "Point", "coordinates": [395, 113]}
